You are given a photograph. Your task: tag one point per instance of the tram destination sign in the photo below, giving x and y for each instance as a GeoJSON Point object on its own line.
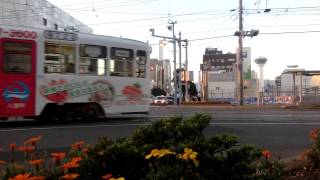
{"type": "Point", "coordinates": [68, 36]}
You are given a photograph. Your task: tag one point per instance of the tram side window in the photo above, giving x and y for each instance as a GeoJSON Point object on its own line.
{"type": "Point", "coordinates": [141, 64]}
{"type": "Point", "coordinates": [17, 57]}
{"type": "Point", "coordinates": [92, 59]}
{"type": "Point", "coordinates": [59, 57]}
{"type": "Point", "coordinates": [121, 63]}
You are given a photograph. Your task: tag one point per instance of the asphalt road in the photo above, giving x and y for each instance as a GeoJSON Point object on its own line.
{"type": "Point", "coordinates": [284, 132]}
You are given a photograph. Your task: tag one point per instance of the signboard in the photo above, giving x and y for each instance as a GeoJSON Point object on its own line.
{"type": "Point", "coordinates": [60, 35]}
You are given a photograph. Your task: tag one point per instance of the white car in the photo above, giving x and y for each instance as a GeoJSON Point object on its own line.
{"type": "Point", "coordinates": [161, 100]}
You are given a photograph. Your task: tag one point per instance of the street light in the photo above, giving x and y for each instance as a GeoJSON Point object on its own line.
{"type": "Point", "coordinates": [174, 39]}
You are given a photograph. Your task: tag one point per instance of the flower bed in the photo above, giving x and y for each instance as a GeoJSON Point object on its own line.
{"type": "Point", "coordinates": [172, 148]}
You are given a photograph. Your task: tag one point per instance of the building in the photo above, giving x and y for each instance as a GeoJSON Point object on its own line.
{"type": "Point", "coordinates": [217, 76]}
{"type": "Point", "coordinates": [298, 85]}
{"type": "Point", "coordinates": [160, 74]}
{"type": "Point", "coordinates": [246, 64]}
{"type": "Point", "coordinates": [189, 76]}
{"type": "Point", "coordinates": [38, 14]}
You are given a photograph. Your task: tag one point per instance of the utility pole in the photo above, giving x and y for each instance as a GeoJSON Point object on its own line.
{"type": "Point", "coordinates": [177, 84]}
{"type": "Point", "coordinates": [186, 93]}
{"type": "Point", "coordinates": [239, 57]}
{"type": "Point", "coordinates": [174, 62]}
{"type": "Point", "coordinates": [180, 69]}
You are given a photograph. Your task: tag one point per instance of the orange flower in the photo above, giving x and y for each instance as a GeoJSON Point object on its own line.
{"type": "Point", "coordinates": [266, 154]}
{"type": "Point", "coordinates": [36, 162]}
{"type": "Point", "coordinates": [77, 145]}
{"type": "Point", "coordinates": [2, 162]}
{"type": "Point", "coordinates": [107, 176]}
{"type": "Point", "coordinates": [21, 177]}
{"type": "Point", "coordinates": [26, 149]}
{"type": "Point", "coordinates": [314, 134]}
{"type": "Point", "coordinates": [73, 163]}
{"type": "Point", "coordinates": [304, 155]}
{"type": "Point", "coordinates": [33, 140]}
{"type": "Point", "coordinates": [37, 178]}
{"type": "Point", "coordinates": [76, 159]}
{"type": "Point", "coordinates": [57, 157]}
{"type": "Point", "coordinates": [69, 176]}
{"type": "Point", "coordinates": [69, 165]}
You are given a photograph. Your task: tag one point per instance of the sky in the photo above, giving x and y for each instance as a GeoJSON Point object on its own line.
{"type": "Point", "coordinates": [289, 34]}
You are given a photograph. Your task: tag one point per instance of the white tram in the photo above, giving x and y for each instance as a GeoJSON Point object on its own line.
{"type": "Point", "coordinates": [53, 74]}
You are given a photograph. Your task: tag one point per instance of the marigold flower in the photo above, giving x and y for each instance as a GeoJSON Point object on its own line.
{"type": "Point", "coordinates": [33, 140]}
{"type": "Point", "coordinates": [189, 154]}
{"type": "Point", "coordinates": [21, 177]}
{"type": "Point", "coordinates": [37, 178]}
{"type": "Point", "coordinates": [36, 162]}
{"type": "Point", "coordinates": [26, 149]}
{"type": "Point", "coordinates": [77, 145]}
{"type": "Point", "coordinates": [158, 153]}
{"type": "Point", "coordinates": [120, 178]}
{"type": "Point", "coordinates": [266, 154]}
{"type": "Point", "coordinates": [69, 176]}
{"type": "Point", "coordinates": [107, 176]}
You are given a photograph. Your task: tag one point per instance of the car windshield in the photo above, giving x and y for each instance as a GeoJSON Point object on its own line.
{"type": "Point", "coordinates": [162, 97]}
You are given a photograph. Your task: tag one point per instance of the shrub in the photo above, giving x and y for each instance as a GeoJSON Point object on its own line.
{"type": "Point", "coordinates": [313, 154]}
{"type": "Point", "coordinates": [171, 148]}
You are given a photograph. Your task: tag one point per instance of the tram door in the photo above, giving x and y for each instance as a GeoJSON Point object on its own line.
{"type": "Point", "coordinates": [17, 77]}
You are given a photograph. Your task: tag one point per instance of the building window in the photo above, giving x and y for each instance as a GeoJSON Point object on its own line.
{"type": "Point", "coordinates": [56, 26]}
{"type": "Point", "coordinates": [44, 21]}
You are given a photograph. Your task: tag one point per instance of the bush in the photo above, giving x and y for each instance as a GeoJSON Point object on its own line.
{"type": "Point", "coordinates": [219, 156]}
{"type": "Point", "coordinates": [313, 154]}
{"type": "Point", "coordinates": [172, 148]}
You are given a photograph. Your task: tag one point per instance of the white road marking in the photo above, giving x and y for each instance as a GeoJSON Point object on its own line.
{"type": "Point", "coordinates": [71, 127]}
{"type": "Point", "coordinates": [263, 123]}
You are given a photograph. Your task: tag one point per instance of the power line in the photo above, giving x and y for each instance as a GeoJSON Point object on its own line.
{"type": "Point", "coordinates": [216, 37]}
{"type": "Point", "coordinates": [176, 15]}
{"type": "Point", "coordinates": [266, 33]}
{"type": "Point", "coordinates": [290, 32]}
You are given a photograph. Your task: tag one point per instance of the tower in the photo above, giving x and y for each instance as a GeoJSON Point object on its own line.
{"type": "Point", "coordinates": [261, 61]}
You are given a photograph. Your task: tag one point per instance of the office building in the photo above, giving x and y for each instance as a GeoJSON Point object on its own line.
{"type": "Point", "coordinates": [38, 14]}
